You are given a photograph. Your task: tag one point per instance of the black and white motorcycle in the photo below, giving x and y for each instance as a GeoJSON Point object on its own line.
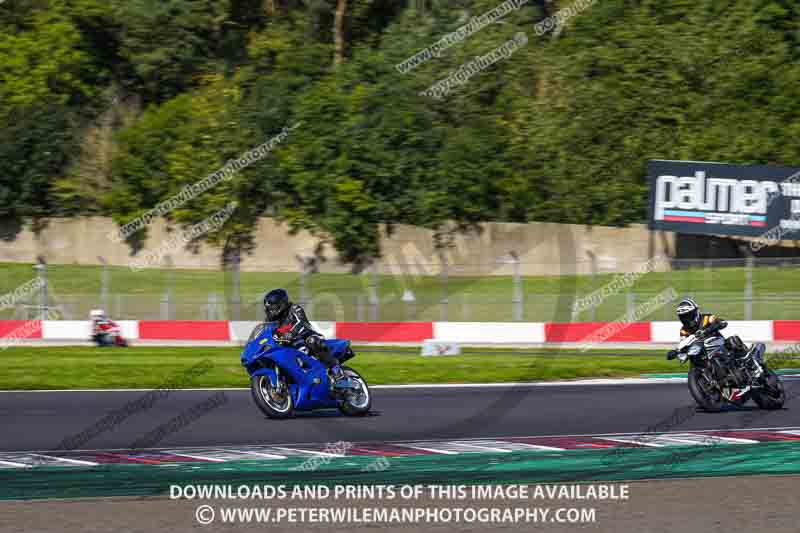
{"type": "Point", "coordinates": [726, 371]}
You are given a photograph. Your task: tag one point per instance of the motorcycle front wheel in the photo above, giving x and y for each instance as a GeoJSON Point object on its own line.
{"type": "Point", "coordinates": [356, 403]}
{"type": "Point", "coordinates": [772, 395]}
{"type": "Point", "coordinates": [706, 394]}
{"type": "Point", "coordinates": [275, 402]}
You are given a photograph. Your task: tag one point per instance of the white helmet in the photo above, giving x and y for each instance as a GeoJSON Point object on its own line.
{"type": "Point", "coordinates": [97, 314]}
{"type": "Point", "coordinates": [689, 313]}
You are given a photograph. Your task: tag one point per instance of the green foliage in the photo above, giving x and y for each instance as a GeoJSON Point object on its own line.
{"type": "Point", "coordinates": [560, 131]}
{"type": "Point", "coordinates": [168, 43]}
{"type": "Point", "coordinates": [43, 63]}
{"type": "Point", "coordinates": [34, 146]}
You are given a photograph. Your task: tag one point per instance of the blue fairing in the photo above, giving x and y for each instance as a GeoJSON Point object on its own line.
{"type": "Point", "coordinates": [338, 347]}
{"type": "Point", "coordinates": [262, 354]}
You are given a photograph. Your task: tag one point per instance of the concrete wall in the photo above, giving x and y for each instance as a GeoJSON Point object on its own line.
{"type": "Point", "coordinates": [543, 249]}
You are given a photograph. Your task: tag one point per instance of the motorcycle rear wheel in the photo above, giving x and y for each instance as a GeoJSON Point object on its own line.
{"type": "Point", "coordinates": [704, 393]}
{"type": "Point", "coordinates": [772, 396]}
{"type": "Point", "coordinates": [274, 403]}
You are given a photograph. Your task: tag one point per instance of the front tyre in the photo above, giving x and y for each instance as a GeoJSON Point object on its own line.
{"type": "Point", "coordinates": [356, 403]}
{"type": "Point", "coordinates": [772, 395]}
{"type": "Point", "coordinates": [275, 402]}
{"type": "Point", "coordinates": [705, 393]}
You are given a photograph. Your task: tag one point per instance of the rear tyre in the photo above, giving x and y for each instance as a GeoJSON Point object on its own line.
{"type": "Point", "coordinates": [273, 402]}
{"type": "Point", "coordinates": [772, 395]}
{"type": "Point", "coordinates": [356, 404]}
{"type": "Point", "coordinates": [703, 391]}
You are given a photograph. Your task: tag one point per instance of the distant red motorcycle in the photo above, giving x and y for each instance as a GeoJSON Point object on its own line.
{"type": "Point", "coordinates": [106, 332]}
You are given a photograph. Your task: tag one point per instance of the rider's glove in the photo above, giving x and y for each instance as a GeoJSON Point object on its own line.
{"type": "Point", "coordinates": [700, 334]}
{"type": "Point", "coordinates": [672, 354]}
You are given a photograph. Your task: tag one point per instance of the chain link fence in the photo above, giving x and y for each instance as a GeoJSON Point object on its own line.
{"type": "Point", "coordinates": [737, 289]}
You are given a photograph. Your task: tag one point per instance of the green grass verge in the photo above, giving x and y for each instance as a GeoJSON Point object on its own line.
{"type": "Point", "coordinates": [337, 296]}
{"type": "Point", "coordinates": [26, 368]}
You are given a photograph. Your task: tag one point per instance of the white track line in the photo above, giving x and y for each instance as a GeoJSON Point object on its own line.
{"type": "Point", "coordinates": [64, 459]}
{"type": "Point", "coordinates": [714, 438]}
{"type": "Point", "coordinates": [542, 448]}
{"type": "Point", "coordinates": [249, 452]}
{"type": "Point", "coordinates": [199, 457]}
{"type": "Point", "coordinates": [15, 465]}
{"type": "Point", "coordinates": [426, 449]}
{"type": "Point", "coordinates": [684, 441]}
{"type": "Point", "coordinates": [311, 452]}
{"type": "Point", "coordinates": [737, 440]}
{"type": "Point", "coordinates": [582, 382]}
{"type": "Point", "coordinates": [482, 447]}
{"type": "Point", "coordinates": [636, 441]}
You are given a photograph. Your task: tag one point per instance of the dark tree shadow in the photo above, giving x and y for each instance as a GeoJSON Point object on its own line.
{"type": "Point", "coordinates": [10, 228]}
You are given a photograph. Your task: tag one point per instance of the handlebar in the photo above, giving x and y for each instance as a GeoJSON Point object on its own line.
{"type": "Point", "coordinates": [686, 342]}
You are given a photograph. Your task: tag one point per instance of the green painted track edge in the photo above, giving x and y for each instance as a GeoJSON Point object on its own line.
{"type": "Point", "coordinates": [618, 464]}
{"type": "Point", "coordinates": [781, 372]}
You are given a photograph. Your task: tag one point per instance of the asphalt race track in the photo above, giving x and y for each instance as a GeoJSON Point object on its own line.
{"type": "Point", "coordinates": [39, 421]}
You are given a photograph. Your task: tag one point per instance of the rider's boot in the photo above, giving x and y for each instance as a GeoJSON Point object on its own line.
{"type": "Point", "coordinates": [756, 367]}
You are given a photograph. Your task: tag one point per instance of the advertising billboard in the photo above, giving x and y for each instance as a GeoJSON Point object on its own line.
{"type": "Point", "coordinates": [723, 199]}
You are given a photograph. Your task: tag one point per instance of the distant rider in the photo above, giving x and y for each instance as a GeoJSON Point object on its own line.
{"type": "Point", "coordinates": [294, 328]}
{"type": "Point", "coordinates": [102, 326]}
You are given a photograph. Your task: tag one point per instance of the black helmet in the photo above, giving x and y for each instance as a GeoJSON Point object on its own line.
{"type": "Point", "coordinates": [276, 304]}
{"type": "Point", "coordinates": [689, 313]}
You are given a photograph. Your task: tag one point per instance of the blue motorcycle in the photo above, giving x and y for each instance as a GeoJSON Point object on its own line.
{"type": "Point", "coordinates": [284, 378]}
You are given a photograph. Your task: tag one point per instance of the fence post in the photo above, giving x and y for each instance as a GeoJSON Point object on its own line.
{"type": "Point", "coordinates": [373, 293]}
{"type": "Point", "coordinates": [593, 263]}
{"type": "Point", "coordinates": [748, 289]}
{"type": "Point", "coordinates": [517, 299]}
{"type": "Point", "coordinates": [360, 308]}
{"type": "Point", "coordinates": [410, 301]}
{"type": "Point", "coordinates": [41, 270]}
{"type": "Point", "coordinates": [212, 309]}
{"type": "Point", "coordinates": [516, 294]}
{"type": "Point", "coordinates": [466, 311]}
{"type": "Point", "coordinates": [234, 264]}
{"type": "Point", "coordinates": [631, 304]}
{"type": "Point", "coordinates": [166, 299]}
{"type": "Point", "coordinates": [444, 302]}
{"type": "Point", "coordinates": [165, 304]}
{"type": "Point", "coordinates": [103, 284]}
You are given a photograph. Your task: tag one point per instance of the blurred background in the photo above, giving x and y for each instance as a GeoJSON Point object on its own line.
{"type": "Point", "coordinates": [760, 289]}
{"type": "Point", "coordinates": [382, 204]}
